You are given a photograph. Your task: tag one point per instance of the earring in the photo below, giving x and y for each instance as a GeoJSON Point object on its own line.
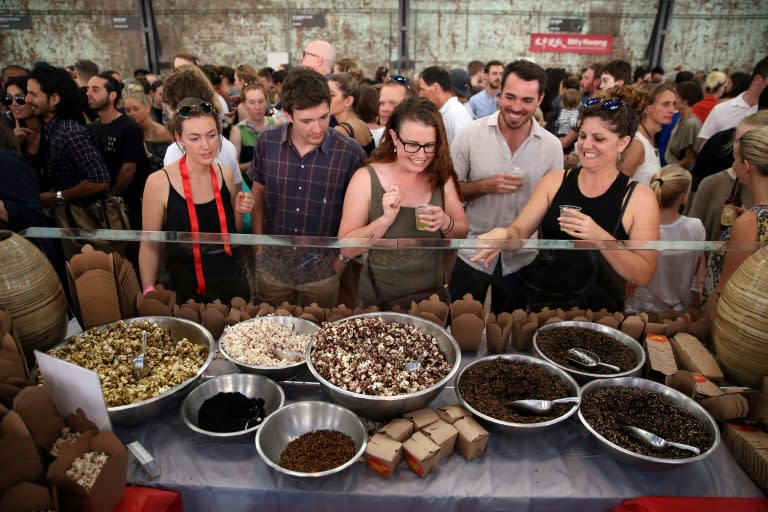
{"type": "Point", "coordinates": [395, 150]}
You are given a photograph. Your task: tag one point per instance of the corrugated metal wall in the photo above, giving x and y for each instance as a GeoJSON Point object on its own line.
{"type": "Point", "coordinates": [719, 33]}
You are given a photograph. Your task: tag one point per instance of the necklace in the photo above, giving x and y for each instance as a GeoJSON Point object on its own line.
{"type": "Point", "coordinates": [650, 137]}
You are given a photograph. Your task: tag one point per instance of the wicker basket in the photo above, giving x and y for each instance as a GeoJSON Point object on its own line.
{"type": "Point", "coordinates": [740, 330]}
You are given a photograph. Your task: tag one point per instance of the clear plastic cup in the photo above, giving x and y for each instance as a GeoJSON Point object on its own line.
{"type": "Point", "coordinates": [421, 209]}
{"type": "Point", "coordinates": [570, 207]}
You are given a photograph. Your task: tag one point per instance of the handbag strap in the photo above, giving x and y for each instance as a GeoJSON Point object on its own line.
{"type": "Point", "coordinates": [630, 188]}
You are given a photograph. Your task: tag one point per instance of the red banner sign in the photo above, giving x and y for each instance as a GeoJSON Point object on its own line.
{"type": "Point", "coordinates": [593, 44]}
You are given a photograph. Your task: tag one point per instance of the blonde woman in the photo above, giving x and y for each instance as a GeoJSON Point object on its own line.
{"type": "Point", "coordinates": [157, 138]}
{"type": "Point", "coordinates": [674, 284]}
{"type": "Point", "coordinates": [714, 87]}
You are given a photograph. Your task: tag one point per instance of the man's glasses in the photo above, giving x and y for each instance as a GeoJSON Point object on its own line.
{"type": "Point", "coordinates": [414, 147]}
{"type": "Point", "coordinates": [305, 53]}
{"type": "Point", "coordinates": [400, 80]}
{"type": "Point", "coordinates": [611, 105]}
{"type": "Point", "coordinates": [186, 111]}
{"type": "Point", "coordinates": [8, 100]}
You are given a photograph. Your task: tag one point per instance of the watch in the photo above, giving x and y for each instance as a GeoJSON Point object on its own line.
{"type": "Point", "coordinates": [344, 259]}
{"type": "Point", "coordinates": [59, 198]}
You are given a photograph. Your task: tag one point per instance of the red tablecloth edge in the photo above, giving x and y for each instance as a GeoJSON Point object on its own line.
{"type": "Point", "coordinates": [149, 499]}
{"type": "Point", "coordinates": [691, 504]}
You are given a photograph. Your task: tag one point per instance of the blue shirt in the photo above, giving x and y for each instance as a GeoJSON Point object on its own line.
{"type": "Point", "coordinates": [482, 104]}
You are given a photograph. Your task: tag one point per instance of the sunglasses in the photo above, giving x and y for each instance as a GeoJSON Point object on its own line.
{"type": "Point", "coordinates": [400, 80]}
{"type": "Point", "coordinates": [8, 100]}
{"type": "Point", "coordinates": [186, 111]}
{"type": "Point", "coordinates": [611, 105]}
{"type": "Point", "coordinates": [414, 147]}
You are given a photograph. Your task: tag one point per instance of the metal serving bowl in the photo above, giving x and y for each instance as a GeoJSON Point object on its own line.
{"type": "Point", "coordinates": [294, 420]}
{"type": "Point", "coordinates": [145, 410]}
{"type": "Point", "coordinates": [687, 403]}
{"type": "Point", "coordinates": [570, 383]}
{"type": "Point", "coordinates": [251, 386]}
{"type": "Point", "coordinates": [584, 376]}
{"type": "Point", "coordinates": [380, 407]}
{"type": "Point", "coordinates": [299, 325]}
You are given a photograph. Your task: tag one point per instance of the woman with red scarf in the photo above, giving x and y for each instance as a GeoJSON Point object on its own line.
{"type": "Point", "coordinates": [194, 195]}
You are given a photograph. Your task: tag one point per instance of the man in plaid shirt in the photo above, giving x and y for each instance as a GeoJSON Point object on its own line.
{"type": "Point", "coordinates": [300, 173]}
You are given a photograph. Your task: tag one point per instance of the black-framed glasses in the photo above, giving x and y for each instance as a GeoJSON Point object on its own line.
{"type": "Point", "coordinates": [8, 100]}
{"type": "Point", "coordinates": [609, 104]}
{"type": "Point", "coordinates": [187, 110]}
{"type": "Point", "coordinates": [305, 53]}
{"type": "Point", "coordinates": [400, 80]}
{"type": "Point", "coordinates": [414, 147]}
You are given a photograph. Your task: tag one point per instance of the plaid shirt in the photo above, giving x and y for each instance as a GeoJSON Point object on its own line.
{"type": "Point", "coordinates": [71, 156]}
{"type": "Point", "coordinates": [304, 196]}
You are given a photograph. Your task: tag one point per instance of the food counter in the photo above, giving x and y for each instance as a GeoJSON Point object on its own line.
{"type": "Point", "coordinates": [562, 468]}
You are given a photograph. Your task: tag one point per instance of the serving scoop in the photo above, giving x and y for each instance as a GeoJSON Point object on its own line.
{"type": "Point", "coordinates": [657, 442]}
{"type": "Point", "coordinates": [588, 359]}
{"type": "Point", "coordinates": [415, 365]}
{"type": "Point", "coordinates": [287, 354]}
{"type": "Point", "coordinates": [541, 407]}
{"type": "Point", "coordinates": [140, 368]}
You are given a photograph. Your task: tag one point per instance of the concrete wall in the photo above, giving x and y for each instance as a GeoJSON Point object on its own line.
{"type": "Point", "coordinates": [718, 33]}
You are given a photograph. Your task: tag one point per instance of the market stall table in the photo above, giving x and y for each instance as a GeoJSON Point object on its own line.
{"type": "Point", "coordinates": [559, 469]}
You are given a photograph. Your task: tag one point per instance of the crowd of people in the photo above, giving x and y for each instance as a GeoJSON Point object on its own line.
{"type": "Point", "coordinates": [495, 152]}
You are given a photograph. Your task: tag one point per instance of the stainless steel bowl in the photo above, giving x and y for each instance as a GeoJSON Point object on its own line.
{"type": "Point", "coordinates": [297, 419]}
{"type": "Point", "coordinates": [583, 376]}
{"type": "Point", "coordinates": [250, 385]}
{"type": "Point", "coordinates": [687, 403]}
{"type": "Point", "coordinates": [299, 325]}
{"type": "Point", "coordinates": [573, 390]}
{"type": "Point", "coordinates": [145, 410]}
{"type": "Point", "coordinates": [381, 407]}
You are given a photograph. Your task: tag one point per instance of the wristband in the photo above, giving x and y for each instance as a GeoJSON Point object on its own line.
{"type": "Point", "coordinates": [149, 289]}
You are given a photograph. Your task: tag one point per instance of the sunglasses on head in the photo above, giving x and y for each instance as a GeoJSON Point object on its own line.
{"type": "Point", "coordinates": [187, 110]}
{"type": "Point", "coordinates": [611, 104]}
{"type": "Point", "coordinates": [8, 100]}
{"type": "Point", "coordinates": [400, 80]}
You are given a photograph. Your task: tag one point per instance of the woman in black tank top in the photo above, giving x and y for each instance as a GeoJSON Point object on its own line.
{"type": "Point", "coordinates": [610, 208]}
{"type": "Point", "coordinates": [193, 195]}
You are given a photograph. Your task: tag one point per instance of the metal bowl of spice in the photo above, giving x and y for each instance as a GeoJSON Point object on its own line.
{"type": "Point", "coordinates": [364, 362]}
{"type": "Point", "coordinates": [273, 345]}
{"type": "Point", "coordinates": [488, 386]}
{"type": "Point", "coordinates": [553, 341]}
{"type": "Point", "coordinates": [232, 405]}
{"type": "Point", "coordinates": [311, 439]}
{"type": "Point", "coordinates": [178, 352]}
{"type": "Point", "coordinates": [609, 405]}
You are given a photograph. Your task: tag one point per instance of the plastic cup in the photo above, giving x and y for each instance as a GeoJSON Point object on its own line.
{"type": "Point", "coordinates": [421, 209]}
{"type": "Point", "coordinates": [571, 207]}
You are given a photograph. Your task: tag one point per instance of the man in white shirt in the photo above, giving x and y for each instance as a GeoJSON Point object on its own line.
{"type": "Point", "coordinates": [484, 103]}
{"type": "Point", "coordinates": [435, 85]}
{"type": "Point", "coordinates": [727, 114]}
{"type": "Point", "coordinates": [499, 159]}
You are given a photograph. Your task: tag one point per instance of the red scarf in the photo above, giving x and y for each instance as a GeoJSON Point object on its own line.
{"type": "Point", "coordinates": [196, 225]}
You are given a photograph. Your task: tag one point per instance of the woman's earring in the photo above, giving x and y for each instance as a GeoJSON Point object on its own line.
{"type": "Point", "coordinates": [395, 150]}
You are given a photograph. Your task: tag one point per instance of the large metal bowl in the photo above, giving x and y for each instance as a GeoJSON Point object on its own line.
{"type": "Point", "coordinates": [687, 403]}
{"type": "Point", "coordinates": [297, 419]}
{"type": "Point", "coordinates": [251, 386]}
{"type": "Point", "coordinates": [583, 376]}
{"type": "Point", "coordinates": [145, 410]}
{"type": "Point", "coordinates": [573, 390]}
{"type": "Point", "coordinates": [382, 407]}
{"type": "Point", "coordinates": [299, 325]}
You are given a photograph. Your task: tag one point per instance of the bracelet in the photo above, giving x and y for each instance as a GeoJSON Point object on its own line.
{"type": "Point", "coordinates": [451, 223]}
{"type": "Point", "coordinates": [149, 289]}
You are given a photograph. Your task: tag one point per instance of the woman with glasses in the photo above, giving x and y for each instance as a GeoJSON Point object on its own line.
{"type": "Point", "coordinates": [598, 203]}
{"type": "Point", "coordinates": [256, 102]}
{"type": "Point", "coordinates": [195, 195]}
{"type": "Point", "coordinates": [27, 128]}
{"type": "Point", "coordinates": [344, 97]}
{"type": "Point", "coordinates": [411, 169]}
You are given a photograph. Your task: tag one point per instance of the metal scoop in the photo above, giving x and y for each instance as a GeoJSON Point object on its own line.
{"type": "Point", "coordinates": [588, 359]}
{"type": "Point", "coordinates": [541, 407]}
{"type": "Point", "coordinates": [415, 365]}
{"type": "Point", "coordinates": [656, 442]}
{"type": "Point", "coordinates": [140, 369]}
{"type": "Point", "coordinates": [287, 354]}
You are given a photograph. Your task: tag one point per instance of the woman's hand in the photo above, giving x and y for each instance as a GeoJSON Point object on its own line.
{"type": "Point", "coordinates": [433, 218]}
{"type": "Point", "coordinates": [490, 254]}
{"type": "Point", "coordinates": [580, 225]}
{"type": "Point", "coordinates": [243, 203]}
{"type": "Point", "coordinates": [390, 203]}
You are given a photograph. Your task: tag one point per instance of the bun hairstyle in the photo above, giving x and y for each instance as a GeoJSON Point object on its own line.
{"type": "Point", "coordinates": [669, 183]}
{"type": "Point", "coordinates": [176, 121]}
{"type": "Point", "coordinates": [622, 121]}
{"type": "Point", "coordinates": [714, 81]}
